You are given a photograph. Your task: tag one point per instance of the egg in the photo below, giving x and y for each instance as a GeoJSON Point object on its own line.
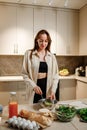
{"type": "Point", "coordinates": [19, 118]}
{"type": "Point", "coordinates": [24, 120]}
{"type": "Point", "coordinates": [14, 117]}
{"type": "Point", "coordinates": [10, 121]}
{"type": "Point", "coordinates": [28, 121]}
{"type": "Point", "coordinates": [15, 123]}
{"type": "Point", "coordinates": [24, 126]}
{"type": "Point", "coordinates": [30, 126]}
{"type": "Point", "coordinates": [20, 124]}
{"type": "Point", "coordinates": [34, 123]}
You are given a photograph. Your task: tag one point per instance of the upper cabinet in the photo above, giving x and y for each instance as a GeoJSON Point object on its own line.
{"type": "Point", "coordinates": [67, 32]}
{"type": "Point", "coordinates": [24, 28]}
{"type": "Point", "coordinates": [20, 23]}
{"type": "Point", "coordinates": [16, 29]}
{"type": "Point", "coordinates": [83, 31]}
{"type": "Point", "coordinates": [7, 29]}
{"type": "Point", "coordinates": [46, 19]}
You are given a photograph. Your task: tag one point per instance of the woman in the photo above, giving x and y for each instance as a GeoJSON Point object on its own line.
{"type": "Point", "coordinates": [40, 70]}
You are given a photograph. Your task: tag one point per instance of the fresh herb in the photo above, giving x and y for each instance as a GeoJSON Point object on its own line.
{"type": "Point", "coordinates": [83, 114]}
{"type": "Point", "coordinates": [65, 113]}
{"type": "Point", "coordinates": [47, 103]}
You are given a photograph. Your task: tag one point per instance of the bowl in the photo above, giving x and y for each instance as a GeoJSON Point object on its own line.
{"type": "Point", "coordinates": [65, 113]}
{"type": "Point", "coordinates": [47, 103]}
{"type": "Point", "coordinates": [44, 110]}
{"type": "Point", "coordinates": [82, 114]}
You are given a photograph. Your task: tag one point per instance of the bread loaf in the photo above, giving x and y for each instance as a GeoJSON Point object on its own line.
{"type": "Point", "coordinates": [36, 117]}
{"type": "Point", "coordinates": [24, 113]}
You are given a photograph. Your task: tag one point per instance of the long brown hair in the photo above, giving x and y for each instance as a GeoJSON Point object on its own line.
{"type": "Point", "coordinates": [36, 47]}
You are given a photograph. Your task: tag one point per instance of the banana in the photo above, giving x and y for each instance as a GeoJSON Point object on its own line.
{"type": "Point", "coordinates": [64, 72]}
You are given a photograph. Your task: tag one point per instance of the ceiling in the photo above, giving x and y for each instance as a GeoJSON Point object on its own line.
{"type": "Point", "coordinates": [73, 4]}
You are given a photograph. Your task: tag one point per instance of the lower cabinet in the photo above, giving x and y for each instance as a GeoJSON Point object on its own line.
{"type": "Point", "coordinates": [22, 93]}
{"type": "Point", "coordinates": [81, 90]}
{"type": "Point", "coordinates": [7, 87]}
{"type": "Point", "coordinates": [67, 89]}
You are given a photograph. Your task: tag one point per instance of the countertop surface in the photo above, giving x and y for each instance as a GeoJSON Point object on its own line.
{"type": "Point", "coordinates": [20, 78]}
{"type": "Point", "coordinates": [81, 78]}
{"type": "Point", "coordinates": [75, 124]}
{"type": "Point", "coordinates": [11, 78]}
{"type": "Point", "coordinates": [67, 77]}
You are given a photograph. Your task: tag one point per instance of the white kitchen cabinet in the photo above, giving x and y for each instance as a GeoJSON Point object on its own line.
{"type": "Point", "coordinates": [22, 93]}
{"type": "Point", "coordinates": [83, 31]}
{"type": "Point", "coordinates": [67, 32]}
{"type": "Point", "coordinates": [67, 89]}
{"type": "Point", "coordinates": [24, 28]}
{"type": "Point", "coordinates": [16, 29]}
{"type": "Point", "coordinates": [7, 29]}
{"type": "Point", "coordinates": [81, 89]}
{"type": "Point", "coordinates": [20, 23]}
{"type": "Point", "coordinates": [7, 87]}
{"type": "Point", "coordinates": [46, 19]}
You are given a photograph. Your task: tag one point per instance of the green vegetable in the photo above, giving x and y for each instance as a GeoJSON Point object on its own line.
{"type": "Point", "coordinates": [82, 113]}
{"type": "Point", "coordinates": [46, 103]}
{"type": "Point", "coordinates": [65, 113]}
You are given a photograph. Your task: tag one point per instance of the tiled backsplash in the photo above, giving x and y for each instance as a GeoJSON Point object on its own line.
{"type": "Point", "coordinates": [12, 64]}
{"type": "Point", "coordinates": [71, 62]}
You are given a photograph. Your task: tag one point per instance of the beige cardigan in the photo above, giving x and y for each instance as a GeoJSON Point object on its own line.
{"type": "Point", "coordinates": [30, 72]}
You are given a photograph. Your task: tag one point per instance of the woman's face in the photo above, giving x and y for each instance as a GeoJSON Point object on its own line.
{"type": "Point", "coordinates": [42, 42]}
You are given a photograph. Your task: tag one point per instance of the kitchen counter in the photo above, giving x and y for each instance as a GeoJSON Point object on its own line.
{"type": "Point", "coordinates": [20, 78]}
{"type": "Point", "coordinates": [81, 78]}
{"type": "Point", "coordinates": [67, 77]}
{"type": "Point", "coordinates": [11, 78]}
{"type": "Point", "coordinates": [75, 124]}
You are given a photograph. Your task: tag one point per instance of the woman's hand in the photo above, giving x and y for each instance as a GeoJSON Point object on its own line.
{"type": "Point", "coordinates": [52, 96]}
{"type": "Point", "coordinates": [38, 90]}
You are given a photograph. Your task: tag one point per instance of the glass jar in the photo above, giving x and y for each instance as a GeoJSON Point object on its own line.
{"type": "Point", "coordinates": [13, 105]}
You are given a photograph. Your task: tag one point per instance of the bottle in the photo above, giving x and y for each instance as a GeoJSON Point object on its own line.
{"type": "Point", "coordinates": [13, 105]}
{"type": "Point", "coordinates": [77, 71]}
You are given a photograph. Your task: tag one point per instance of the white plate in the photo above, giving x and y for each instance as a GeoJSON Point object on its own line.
{"type": "Point", "coordinates": [44, 110]}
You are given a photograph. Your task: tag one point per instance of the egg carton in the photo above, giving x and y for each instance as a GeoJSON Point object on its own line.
{"type": "Point", "coordinates": [22, 123]}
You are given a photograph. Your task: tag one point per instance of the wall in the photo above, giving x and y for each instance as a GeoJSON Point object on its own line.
{"type": "Point", "coordinates": [85, 60]}
{"type": "Point", "coordinates": [70, 62]}
{"type": "Point", "coordinates": [12, 64]}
